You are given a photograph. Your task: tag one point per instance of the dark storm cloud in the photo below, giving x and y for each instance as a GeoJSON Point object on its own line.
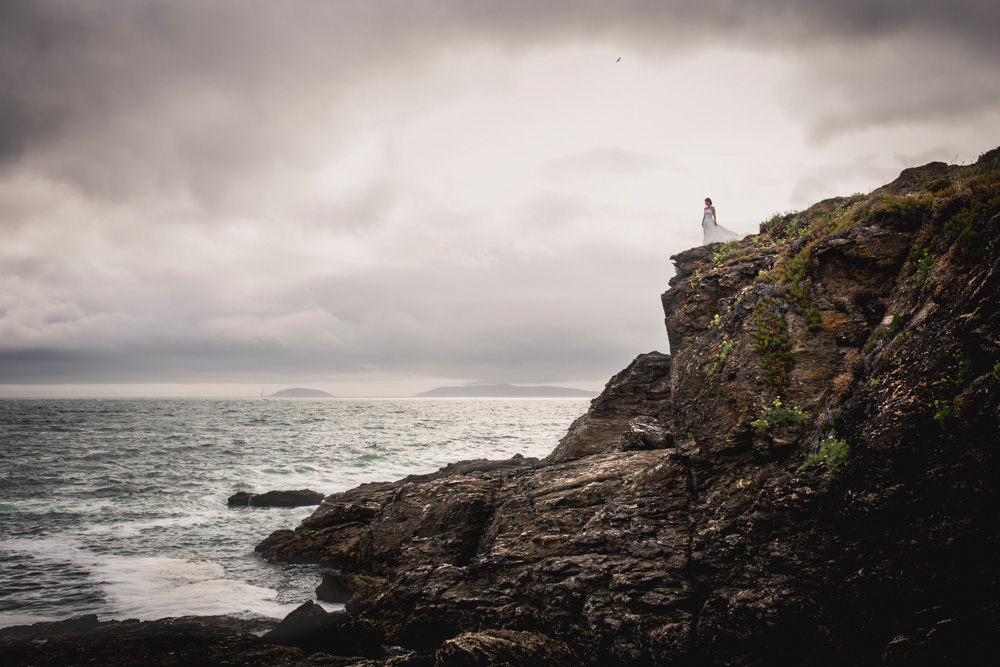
{"type": "Point", "coordinates": [143, 121]}
{"type": "Point", "coordinates": [116, 96]}
{"type": "Point", "coordinates": [329, 328]}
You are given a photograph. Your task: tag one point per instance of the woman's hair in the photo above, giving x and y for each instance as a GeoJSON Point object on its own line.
{"type": "Point", "coordinates": [709, 200]}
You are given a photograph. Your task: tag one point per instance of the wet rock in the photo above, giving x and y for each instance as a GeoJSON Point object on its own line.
{"type": "Point", "coordinates": [313, 629]}
{"type": "Point", "coordinates": [572, 547]}
{"type": "Point", "coordinates": [504, 647]}
{"type": "Point", "coordinates": [302, 625]}
{"type": "Point", "coordinates": [190, 640]}
{"type": "Point", "coordinates": [338, 533]}
{"type": "Point", "coordinates": [340, 587]}
{"type": "Point", "coordinates": [300, 498]}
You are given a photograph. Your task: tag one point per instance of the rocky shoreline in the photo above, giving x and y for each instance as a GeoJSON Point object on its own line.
{"type": "Point", "coordinates": [810, 478]}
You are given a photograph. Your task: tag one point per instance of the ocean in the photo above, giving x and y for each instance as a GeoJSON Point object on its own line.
{"type": "Point", "coordinates": [117, 507]}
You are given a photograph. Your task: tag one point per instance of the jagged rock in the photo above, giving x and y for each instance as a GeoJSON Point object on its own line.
{"type": "Point", "coordinates": [340, 587]}
{"type": "Point", "coordinates": [641, 390]}
{"type": "Point", "coordinates": [499, 648]}
{"type": "Point", "coordinates": [338, 532]}
{"type": "Point", "coordinates": [645, 433]}
{"type": "Point", "coordinates": [529, 546]}
{"type": "Point", "coordinates": [191, 640]}
{"type": "Point", "coordinates": [300, 498]}
{"type": "Point", "coordinates": [313, 629]}
{"type": "Point", "coordinates": [716, 394]}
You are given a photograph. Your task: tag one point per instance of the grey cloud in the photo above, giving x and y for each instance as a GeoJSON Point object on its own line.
{"type": "Point", "coordinates": [911, 79]}
{"type": "Point", "coordinates": [154, 117]}
{"type": "Point", "coordinates": [606, 160]}
{"type": "Point", "coordinates": [820, 184]}
{"type": "Point", "coordinates": [120, 98]}
{"type": "Point", "coordinates": [516, 323]}
{"type": "Point", "coordinates": [117, 95]}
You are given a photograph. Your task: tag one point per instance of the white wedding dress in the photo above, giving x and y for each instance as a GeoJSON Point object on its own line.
{"type": "Point", "coordinates": [715, 233]}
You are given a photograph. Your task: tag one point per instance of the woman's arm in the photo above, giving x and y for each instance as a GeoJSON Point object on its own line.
{"type": "Point", "coordinates": [715, 220]}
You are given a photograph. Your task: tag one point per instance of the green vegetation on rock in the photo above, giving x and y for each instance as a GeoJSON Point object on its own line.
{"type": "Point", "coordinates": [944, 413]}
{"type": "Point", "coordinates": [963, 369]}
{"type": "Point", "coordinates": [771, 341]}
{"type": "Point", "coordinates": [725, 252]}
{"type": "Point", "coordinates": [727, 349]}
{"type": "Point", "coordinates": [832, 453]}
{"type": "Point", "coordinates": [779, 415]}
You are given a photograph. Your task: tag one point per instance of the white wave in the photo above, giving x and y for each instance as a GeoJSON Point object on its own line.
{"type": "Point", "coordinates": [155, 497]}
{"type": "Point", "coordinates": [61, 549]}
{"type": "Point", "coordinates": [133, 528]}
{"type": "Point", "coordinates": [153, 587]}
{"type": "Point", "coordinates": [50, 505]}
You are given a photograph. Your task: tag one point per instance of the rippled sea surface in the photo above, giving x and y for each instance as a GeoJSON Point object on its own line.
{"type": "Point", "coordinates": [118, 506]}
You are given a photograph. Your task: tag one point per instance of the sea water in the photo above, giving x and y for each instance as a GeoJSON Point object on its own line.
{"type": "Point", "coordinates": [117, 507]}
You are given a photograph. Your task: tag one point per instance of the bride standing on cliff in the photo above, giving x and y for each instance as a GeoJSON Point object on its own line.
{"type": "Point", "coordinates": [714, 232]}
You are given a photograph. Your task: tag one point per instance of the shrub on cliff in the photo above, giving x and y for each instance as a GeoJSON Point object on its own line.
{"type": "Point", "coordinates": [832, 453]}
{"type": "Point", "coordinates": [779, 415]}
{"type": "Point", "coordinates": [771, 341]}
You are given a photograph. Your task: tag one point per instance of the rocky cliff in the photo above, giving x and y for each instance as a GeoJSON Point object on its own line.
{"type": "Point", "coordinates": [811, 478]}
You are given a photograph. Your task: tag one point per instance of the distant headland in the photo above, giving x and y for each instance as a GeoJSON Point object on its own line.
{"type": "Point", "coordinates": [300, 393]}
{"type": "Point", "coordinates": [505, 391]}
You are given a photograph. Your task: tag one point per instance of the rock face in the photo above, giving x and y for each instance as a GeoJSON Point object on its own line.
{"type": "Point", "coordinates": [640, 394]}
{"type": "Point", "coordinates": [313, 629]}
{"type": "Point", "coordinates": [505, 647]}
{"type": "Point", "coordinates": [810, 479]}
{"type": "Point", "coordinates": [300, 498]}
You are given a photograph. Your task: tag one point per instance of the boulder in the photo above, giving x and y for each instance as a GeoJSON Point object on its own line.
{"type": "Point", "coordinates": [340, 587]}
{"type": "Point", "coordinates": [300, 498]}
{"type": "Point", "coordinates": [313, 629]}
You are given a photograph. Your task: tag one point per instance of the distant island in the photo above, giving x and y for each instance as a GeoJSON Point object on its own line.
{"type": "Point", "coordinates": [300, 393]}
{"type": "Point", "coordinates": [505, 391]}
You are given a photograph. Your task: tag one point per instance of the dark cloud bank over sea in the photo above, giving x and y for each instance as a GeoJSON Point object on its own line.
{"type": "Point", "coordinates": [171, 211]}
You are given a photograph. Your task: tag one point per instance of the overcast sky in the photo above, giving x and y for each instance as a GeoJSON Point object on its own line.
{"type": "Point", "coordinates": [376, 198]}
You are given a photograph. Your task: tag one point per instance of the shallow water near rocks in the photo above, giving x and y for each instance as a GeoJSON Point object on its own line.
{"type": "Point", "coordinates": [118, 506]}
